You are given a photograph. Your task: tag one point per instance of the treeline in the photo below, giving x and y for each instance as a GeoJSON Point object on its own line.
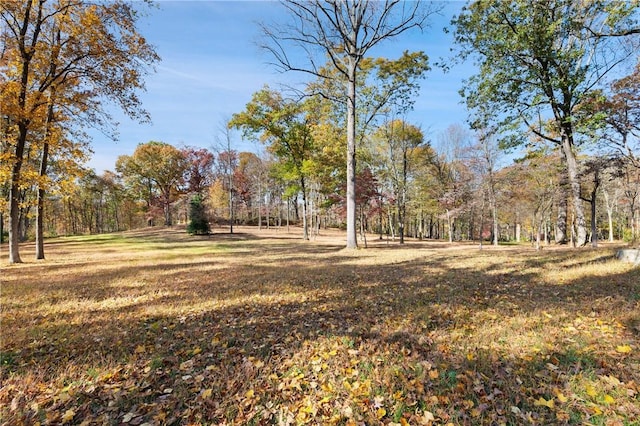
{"type": "Point", "coordinates": [454, 189]}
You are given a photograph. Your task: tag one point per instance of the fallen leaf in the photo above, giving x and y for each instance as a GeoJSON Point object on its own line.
{"type": "Point", "coordinates": [623, 349]}
{"type": "Point", "coordinates": [591, 391]}
{"type": "Point", "coordinates": [68, 416]}
{"type": "Point", "coordinates": [543, 402]}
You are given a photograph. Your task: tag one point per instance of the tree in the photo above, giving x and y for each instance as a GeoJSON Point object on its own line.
{"type": "Point", "coordinates": [536, 171]}
{"type": "Point", "coordinates": [401, 140]}
{"type": "Point", "coordinates": [284, 126]}
{"type": "Point", "coordinates": [621, 109]}
{"type": "Point", "coordinates": [452, 174]}
{"type": "Point", "coordinates": [198, 223]}
{"type": "Point", "coordinates": [58, 57]}
{"type": "Point", "coordinates": [199, 172]}
{"type": "Point", "coordinates": [538, 61]}
{"type": "Point", "coordinates": [345, 31]}
{"type": "Point", "coordinates": [157, 166]}
{"type": "Point", "coordinates": [484, 155]}
{"type": "Point", "coordinates": [225, 167]}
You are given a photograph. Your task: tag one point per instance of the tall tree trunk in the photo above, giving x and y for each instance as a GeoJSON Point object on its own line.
{"type": "Point", "coordinates": [305, 225]}
{"type": "Point", "coordinates": [609, 214]}
{"type": "Point", "coordinates": [40, 205]}
{"type": "Point", "coordinates": [231, 218]}
{"type": "Point", "coordinates": [352, 241]}
{"type": "Point", "coordinates": [594, 192]}
{"type": "Point", "coordinates": [450, 226]}
{"type": "Point", "coordinates": [574, 183]}
{"type": "Point", "coordinates": [562, 205]}
{"type": "Point", "coordinates": [14, 194]}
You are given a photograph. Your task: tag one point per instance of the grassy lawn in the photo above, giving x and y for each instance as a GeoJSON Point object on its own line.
{"type": "Point", "coordinates": [156, 327]}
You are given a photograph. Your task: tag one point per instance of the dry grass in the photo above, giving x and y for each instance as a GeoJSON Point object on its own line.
{"type": "Point", "coordinates": [158, 327]}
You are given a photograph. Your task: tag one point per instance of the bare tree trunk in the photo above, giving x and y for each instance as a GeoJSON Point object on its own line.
{"type": "Point", "coordinates": [450, 226]}
{"type": "Point", "coordinates": [305, 225]}
{"type": "Point", "coordinates": [352, 241]}
{"type": "Point", "coordinates": [574, 182]}
{"type": "Point", "coordinates": [561, 219]}
{"type": "Point", "coordinates": [609, 205]}
{"type": "Point", "coordinates": [40, 205]}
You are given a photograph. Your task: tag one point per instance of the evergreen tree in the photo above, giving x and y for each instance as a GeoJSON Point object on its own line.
{"type": "Point", "coordinates": [198, 225]}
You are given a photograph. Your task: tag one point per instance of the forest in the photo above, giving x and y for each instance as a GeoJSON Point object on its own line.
{"type": "Point", "coordinates": [357, 268]}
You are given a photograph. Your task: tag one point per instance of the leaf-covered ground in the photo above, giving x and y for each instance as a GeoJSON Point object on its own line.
{"type": "Point", "coordinates": [155, 327]}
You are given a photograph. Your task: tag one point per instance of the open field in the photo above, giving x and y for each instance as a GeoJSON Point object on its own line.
{"type": "Point", "coordinates": [156, 327]}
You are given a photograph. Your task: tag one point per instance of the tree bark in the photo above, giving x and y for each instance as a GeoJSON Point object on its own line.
{"type": "Point", "coordinates": [561, 218]}
{"type": "Point", "coordinates": [574, 183]}
{"type": "Point", "coordinates": [305, 225]}
{"type": "Point", "coordinates": [40, 207]}
{"type": "Point", "coordinates": [352, 241]}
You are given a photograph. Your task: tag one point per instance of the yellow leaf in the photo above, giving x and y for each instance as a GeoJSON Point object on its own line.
{"type": "Point", "coordinates": [433, 374]}
{"type": "Point", "coordinates": [608, 399]}
{"type": "Point", "coordinates": [470, 357]}
{"type": "Point", "coordinates": [475, 412]}
{"type": "Point", "coordinates": [249, 394]}
{"type": "Point", "coordinates": [140, 349]}
{"type": "Point", "coordinates": [591, 391]}
{"type": "Point", "coordinates": [543, 402]}
{"type": "Point", "coordinates": [561, 397]}
{"type": "Point", "coordinates": [68, 416]}
{"type": "Point", "coordinates": [404, 421]}
{"type": "Point", "coordinates": [207, 393]}
{"type": "Point", "coordinates": [380, 413]}
{"type": "Point", "coordinates": [196, 350]}
{"type": "Point", "coordinates": [327, 387]}
{"type": "Point", "coordinates": [623, 349]}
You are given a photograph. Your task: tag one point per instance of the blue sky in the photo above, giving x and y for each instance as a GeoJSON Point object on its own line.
{"type": "Point", "coordinates": [211, 66]}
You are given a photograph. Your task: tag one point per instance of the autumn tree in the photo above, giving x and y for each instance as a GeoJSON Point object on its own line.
{"type": "Point", "coordinates": [284, 126]}
{"type": "Point", "coordinates": [452, 176]}
{"type": "Point", "coordinates": [538, 172]}
{"type": "Point", "coordinates": [483, 156]}
{"type": "Point", "coordinates": [400, 140]}
{"type": "Point", "coordinates": [344, 31]}
{"type": "Point", "coordinates": [621, 110]}
{"type": "Point", "coordinates": [198, 175]}
{"type": "Point", "coordinates": [159, 168]}
{"type": "Point", "coordinates": [225, 167]}
{"type": "Point", "coordinates": [249, 178]}
{"type": "Point", "coordinates": [537, 62]}
{"type": "Point", "coordinates": [60, 60]}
